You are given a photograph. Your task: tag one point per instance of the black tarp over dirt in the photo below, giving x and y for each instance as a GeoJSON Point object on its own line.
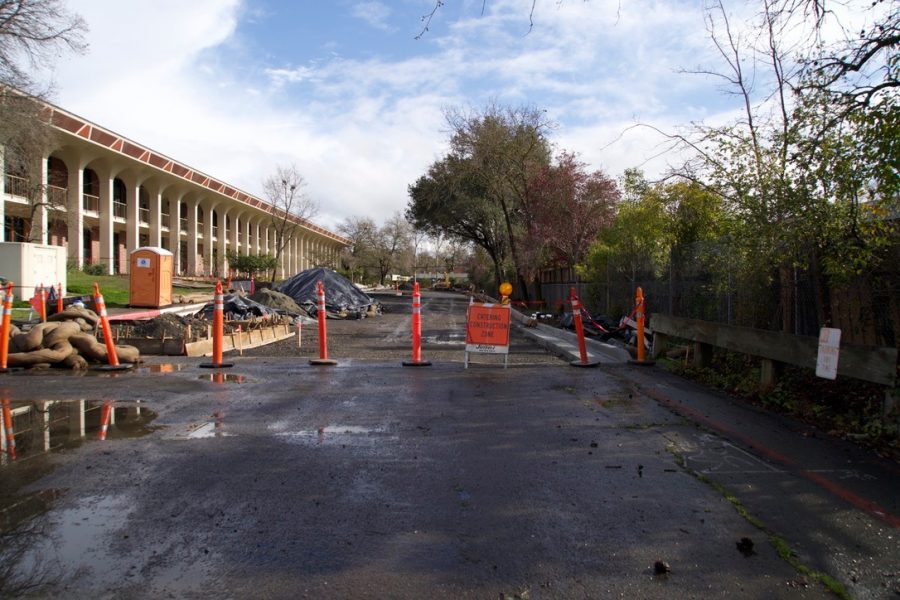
{"type": "Point", "coordinates": [342, 298]}
{"type": "Point", "coordinates": [237, 308]}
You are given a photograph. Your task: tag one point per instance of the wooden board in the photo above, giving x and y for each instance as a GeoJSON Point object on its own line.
{"type": "Point", "coordinates": [869, 363]}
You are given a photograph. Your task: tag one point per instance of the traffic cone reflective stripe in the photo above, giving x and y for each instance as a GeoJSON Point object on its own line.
{"type": "Point", "coordinates": [105, 415]}
{"type": "Point", "coordinates": [112, 357]}
{"type": "Point", "coordinates": [8, 426]}
{"type": "Point", "coordinates": [5, 327]}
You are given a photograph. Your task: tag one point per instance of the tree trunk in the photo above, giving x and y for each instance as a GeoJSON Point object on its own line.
{"type": "Point", "coordinates": [786, 284]}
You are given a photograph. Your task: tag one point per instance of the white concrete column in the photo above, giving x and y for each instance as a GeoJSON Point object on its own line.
{"type": "Point", "coordinates": [234, 240]}
{"type": "Point", "coordinates": [193, 268]}
{"type": "Point", "coordinates": [154, 192]}
{"type": "Point", "coordinates": [132, 220]}
{"type": "Point", "coordinates": [2, 194]}
{"type": "Point", "coordinates": [107, 252]}
{"type": "Point", "coordinates": [40, 223]}
{"type": "Point", "coordinates": [208, 241]}
{"type": "Point", "coordinates": [175, 230]}
{"type": "Point", "coordinates": [222, 243]}
{"type": "Point", "coordinates": [75, 215]}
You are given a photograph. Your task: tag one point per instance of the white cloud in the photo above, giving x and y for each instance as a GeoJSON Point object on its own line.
{"type": "Point", "coordinates": [177, 77]}
{"type": "Point", "coordinates": [374, 13]}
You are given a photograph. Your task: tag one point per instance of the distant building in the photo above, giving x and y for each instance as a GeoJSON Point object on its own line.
{"type": "Point", "coordinates": [114, 195]}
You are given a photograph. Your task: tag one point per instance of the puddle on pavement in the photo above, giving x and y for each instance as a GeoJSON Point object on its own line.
{"type": "Point", "coordinates": [46, 426]}
{"type": "Point", "coordinates": [69, 545]}
{"type": "Point", "coordinates": [164, 368]}
{"type": "Point", "coordinates": [224, 378]}
{"type": "Point", "coordinates": [335, 434]}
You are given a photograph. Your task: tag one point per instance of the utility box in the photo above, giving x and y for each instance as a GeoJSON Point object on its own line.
{"type": "Point", "coordinates": [151, 277]}
{"type": "Point", "coordinates": [30, 265]}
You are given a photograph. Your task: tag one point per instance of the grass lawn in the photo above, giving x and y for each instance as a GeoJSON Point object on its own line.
{"type": "Point", "coordinates": [113, 287]}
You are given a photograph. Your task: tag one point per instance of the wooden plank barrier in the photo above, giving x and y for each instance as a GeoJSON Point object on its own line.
{"type": "Point", "coordinates": [868, 363]}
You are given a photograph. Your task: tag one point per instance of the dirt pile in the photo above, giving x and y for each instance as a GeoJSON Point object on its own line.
{"type": "Point", "coordinates": [278, 301]}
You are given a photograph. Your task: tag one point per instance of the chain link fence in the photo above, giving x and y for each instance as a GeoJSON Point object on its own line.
{"type": "Point", "coordinates": [702, 282]}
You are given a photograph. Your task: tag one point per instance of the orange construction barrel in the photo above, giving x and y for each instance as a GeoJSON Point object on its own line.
{"type": "Point", "coordinates": [151, 277]}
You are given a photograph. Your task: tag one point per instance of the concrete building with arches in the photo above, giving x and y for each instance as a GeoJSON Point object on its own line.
{"type": "Point", "coordinates": [105, 195]}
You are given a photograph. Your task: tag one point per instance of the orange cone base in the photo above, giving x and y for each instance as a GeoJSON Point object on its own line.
{"type": "Point", "coordinates": [642, 363]}
{"type": "Point", "coordinates": [416, 363]}
{"type": "Point", "coordinates": [119, 367]}
{"type": "Point", "coordinates": [216, 365]}
{"type": "Point", "coordinates": [589, 364]}
{"type": "Point", "coordinates": [323, 362]}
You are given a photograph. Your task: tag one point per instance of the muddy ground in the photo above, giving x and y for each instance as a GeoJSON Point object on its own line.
{"type": "Point", "coordinates": [275, 478]}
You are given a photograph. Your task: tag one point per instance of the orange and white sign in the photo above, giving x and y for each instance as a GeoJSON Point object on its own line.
{"type": "Point", "coordinates": [487, 328]}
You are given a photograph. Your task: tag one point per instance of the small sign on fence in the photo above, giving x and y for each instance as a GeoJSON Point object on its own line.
{"type": "Point", "coordinates": [829, 352]}
{"type": "Point", "coordinates": [487, 330]}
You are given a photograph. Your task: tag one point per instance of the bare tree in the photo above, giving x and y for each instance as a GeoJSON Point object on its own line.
{"type": "Point", "coordinates": [32, 33]}
{"type": "Point", "coordinates": [290, 209]}
{"type": "Point", "coordinates": [361, 231]}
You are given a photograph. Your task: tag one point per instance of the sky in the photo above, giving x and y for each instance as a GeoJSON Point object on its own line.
{"type": "Point", "coordinates": [345, 91]}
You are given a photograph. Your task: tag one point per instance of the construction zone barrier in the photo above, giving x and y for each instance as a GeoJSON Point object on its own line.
{"type": "Point", "coordinates": [5, 327]}
{"type": "Point", "coordinates": [38, 302]}
{"type": "Point", "coordinates": [639, 317]}
{"type": "Point", "coordinates": [8, 429]}
{"type": "Point", "coordinates": [105, 417]}
{"type": "Point", "coordinates": [323, 359]}
{"type": "Point", "coordinates": [579, 330]}
{"type": "Point", "coordinates": [218, 330]}
{"type": "Point", "coordinates": [416, 330]}
{"type": "Point", "coordinates": [112, 356]}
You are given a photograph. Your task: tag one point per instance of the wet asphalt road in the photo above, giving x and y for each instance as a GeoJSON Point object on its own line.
{"type": "Point", "coordinates": [279, 479]}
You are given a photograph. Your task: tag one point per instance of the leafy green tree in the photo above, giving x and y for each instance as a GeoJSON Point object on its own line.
{"type": "Point", "coordinates": [250, 264]}
{"type": "Point", "coordinates": [494, 155]}
{"type": "Point", "coordinates": [638, 241]}
{"type": "Point", "coordinates": [449, 201]}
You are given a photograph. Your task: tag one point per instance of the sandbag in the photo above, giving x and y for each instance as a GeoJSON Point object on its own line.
{"type": "Point", "coordinates": [57, 353]}
{"type": "Point", "coordinates": [32, 340]}
{"type": "Point", "coordinates": [88, 346]}
{"type": "Point", "coordinates": [62, 332]}
{"type": "Point", "coordinates": [73, 314]}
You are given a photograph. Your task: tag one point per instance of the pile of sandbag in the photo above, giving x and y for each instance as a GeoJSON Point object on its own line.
{"type": "Point", "coordinates": [66, 340]}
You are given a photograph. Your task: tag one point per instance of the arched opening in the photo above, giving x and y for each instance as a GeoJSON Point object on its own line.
{"type": "Point", "coordinates": [90, 191]}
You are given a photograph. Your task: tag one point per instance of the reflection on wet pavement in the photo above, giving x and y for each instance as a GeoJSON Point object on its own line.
{"type": "Point", "coordinates": [43, 426]}
{"type": "Point", "coordinates": [219, 377]}
{"type": "Point", "coordinates": [163, 368]}
{"type": "Point", "coordinates": [336, 434]}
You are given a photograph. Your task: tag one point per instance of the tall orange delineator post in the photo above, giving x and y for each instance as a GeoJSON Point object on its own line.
{"type": "Point", "coordinates": [416, 331]}
{"type": "Point", "coordinates": [105, 415]}
{"type": "Point", "coordinates": [59, 298]}
{"type": "Point", "coordinates": [5, 327]}
{"type": "Point", "coordinates": [40, 295]}
{"type": "Point", "coordinates": [323, 329]}
{"type": "Point", "coordinates": [111, 356]}
{"type": "Point", "coordinates": [218, 331]}
{"type": "Point", "coordinates": [639, 316]}
{"type": "Point", "coordinates": [8, 427]}
{"type": "Point", "coordinates": [579, 330]}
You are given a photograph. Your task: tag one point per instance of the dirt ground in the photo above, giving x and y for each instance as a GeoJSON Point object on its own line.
{"type": "Point", "coordinates": [353, 339]}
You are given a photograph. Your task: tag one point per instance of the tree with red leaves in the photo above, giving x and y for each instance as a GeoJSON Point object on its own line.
{"type": "Point", "coordinates": [570, 207]}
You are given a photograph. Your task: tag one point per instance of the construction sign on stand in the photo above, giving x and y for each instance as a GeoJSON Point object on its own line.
{"type": "Point", "coordinates": [487, 330]}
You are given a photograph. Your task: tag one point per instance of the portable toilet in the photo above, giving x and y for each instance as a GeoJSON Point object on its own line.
{"type": "Point", "coordinates": [150, 277]}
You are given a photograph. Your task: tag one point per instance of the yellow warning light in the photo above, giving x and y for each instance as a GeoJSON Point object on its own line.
{"type": "Point", "coordinates": [505, 288]}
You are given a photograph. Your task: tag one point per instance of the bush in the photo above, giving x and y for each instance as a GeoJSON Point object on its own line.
{"type": "Point", "coordinates": [95, 269]}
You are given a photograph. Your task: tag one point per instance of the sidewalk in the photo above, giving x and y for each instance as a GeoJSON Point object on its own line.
{"type": "Point", "coordinates": [835, 504]}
